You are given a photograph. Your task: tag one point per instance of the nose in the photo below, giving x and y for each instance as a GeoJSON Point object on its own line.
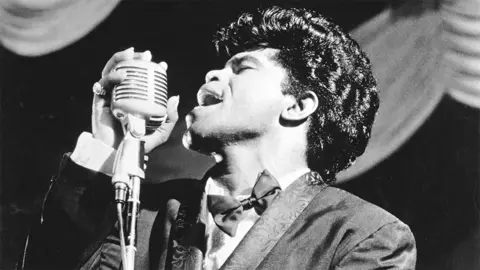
{"type": "Point", "coordinates": [215, 75]}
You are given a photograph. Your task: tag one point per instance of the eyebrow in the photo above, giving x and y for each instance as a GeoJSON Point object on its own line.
{"type": "Point", "coordinates": [238, 60]}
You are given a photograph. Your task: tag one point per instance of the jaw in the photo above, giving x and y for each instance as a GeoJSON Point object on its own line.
{"type": "Point", "coordinates": [206, 145]}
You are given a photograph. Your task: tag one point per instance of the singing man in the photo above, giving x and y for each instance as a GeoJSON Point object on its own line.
{"type": "Point", "coordinates": [292, 106]}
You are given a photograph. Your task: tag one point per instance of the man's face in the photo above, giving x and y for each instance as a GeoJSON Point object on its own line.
{"type": "Point", "coordinates": [240, 102]}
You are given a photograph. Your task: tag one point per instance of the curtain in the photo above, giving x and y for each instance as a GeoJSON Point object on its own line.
{"type": "Point", "coordinates": [462, 38]}
{"type": "Point", "coordinates": [417, 54]}
{"type": "Point", "coordinates": [406, 52]}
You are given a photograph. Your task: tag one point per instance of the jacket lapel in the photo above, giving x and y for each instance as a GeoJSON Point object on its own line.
{"type": "Point", "coordinates": [189, 238]}
{"type": "Point", "coordinates": [273, 223]}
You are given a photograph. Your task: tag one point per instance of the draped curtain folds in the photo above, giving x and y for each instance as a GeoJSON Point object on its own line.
{"type": "Point", "coordinates": [416, 58]}
{"type": "Point", "coordinates": [34, 28]}
{"type": "Point", "coordinates": [406, 53]}
{"type": "Point", "coordinates": [462, 36]}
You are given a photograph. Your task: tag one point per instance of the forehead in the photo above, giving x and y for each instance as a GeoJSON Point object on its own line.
{"type": "Point", "coordinates": [265, 57]}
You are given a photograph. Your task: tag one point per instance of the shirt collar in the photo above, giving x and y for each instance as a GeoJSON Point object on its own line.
{"type": "Point", "coordinates": [212, 188]}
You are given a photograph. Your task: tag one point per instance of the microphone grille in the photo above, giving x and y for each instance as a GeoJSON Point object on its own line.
{"type": "Point", "coordinates": [143, 92]}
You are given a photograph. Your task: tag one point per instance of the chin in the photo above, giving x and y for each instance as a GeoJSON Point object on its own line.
{"type": "Point", "coordinates": [194, 141]}
{"type": "Point", "coordinates": [206, 136]}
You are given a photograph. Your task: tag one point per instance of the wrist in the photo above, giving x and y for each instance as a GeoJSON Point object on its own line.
{"type": "Point", "coordinates": [93, 154]}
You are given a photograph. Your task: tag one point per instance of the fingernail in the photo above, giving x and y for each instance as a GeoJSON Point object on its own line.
{"type": "Point", "coordinates": [147, 55]}
{"type": "Point", "coordinates": [164, 65]}
{"type": "Point", "coordinates": [129, 52]}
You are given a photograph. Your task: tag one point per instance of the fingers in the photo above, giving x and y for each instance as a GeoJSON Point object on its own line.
{"type": "Point", "coordinates": [125, 55]}
{"type": "Point", "coordinates": [162, 134]}
{"type": "Point", "coordinates": [111, 78]}
{"type": "Point", "coordinates": [163, 65]}
{"type": "Point", "coordinates": [172, 110]}
{"type": "Point", "coordinates": [117, 58]}
{"type": "Point", "coordinates": [108, 82]}
{"type": "Point", "coordinates": [146, 55]}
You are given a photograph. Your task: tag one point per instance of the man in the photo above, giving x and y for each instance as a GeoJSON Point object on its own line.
{"type": "Point", "coordinates": [293, 105]}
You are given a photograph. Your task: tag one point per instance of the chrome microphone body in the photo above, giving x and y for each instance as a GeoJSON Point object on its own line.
{"type": "Point", "coordinates": [140, 103]}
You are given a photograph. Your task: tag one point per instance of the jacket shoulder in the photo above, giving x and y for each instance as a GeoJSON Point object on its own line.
{"type": "Point", "coordinates": [354, 219]}
{"type": "Point", "coordinates": [356, 210]}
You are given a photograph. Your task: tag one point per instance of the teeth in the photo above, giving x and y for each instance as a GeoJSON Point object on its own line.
{"type": "Point", "coordinates": [205, 98]}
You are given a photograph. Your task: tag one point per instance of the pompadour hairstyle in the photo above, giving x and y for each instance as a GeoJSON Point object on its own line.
{"type": "Point", "coordinates": [320, 57]}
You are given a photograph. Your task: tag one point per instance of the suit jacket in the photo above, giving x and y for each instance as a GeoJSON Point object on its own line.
{"type": "Point", "coordinates": [310, 225]}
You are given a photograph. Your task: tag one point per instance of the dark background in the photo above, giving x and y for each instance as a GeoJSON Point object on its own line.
{"type": "Point", "coordinates": [431, 182]}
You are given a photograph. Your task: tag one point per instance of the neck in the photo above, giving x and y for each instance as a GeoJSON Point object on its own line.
{"type": "Point", "coordinates": [242, 162]}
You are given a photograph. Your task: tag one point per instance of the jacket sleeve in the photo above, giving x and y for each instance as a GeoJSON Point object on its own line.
{"type": "Point", "coordinates": [392, 246]}
{"type": "Point", "coordinates": [77, 213]}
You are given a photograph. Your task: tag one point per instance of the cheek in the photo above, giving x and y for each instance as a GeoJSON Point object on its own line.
{"type": "Point", "coordinates": [257, 96]}
{"type": "Point", "coordinates": [256, 108]}
{"type": "Point", "coordinates": [257, 91]}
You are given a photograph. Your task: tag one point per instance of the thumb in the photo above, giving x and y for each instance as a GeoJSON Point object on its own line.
{"type": "Point", "coordinates": [162, 133]}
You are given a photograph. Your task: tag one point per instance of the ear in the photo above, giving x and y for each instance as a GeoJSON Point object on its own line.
{"type": "Point", "coordinates": [300, 109]}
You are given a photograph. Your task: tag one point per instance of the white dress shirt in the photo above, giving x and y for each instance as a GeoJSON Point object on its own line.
{"type": "Point", "coordinates": [219, 244]}
{"type": "Point", "coordinates": [95, 155]}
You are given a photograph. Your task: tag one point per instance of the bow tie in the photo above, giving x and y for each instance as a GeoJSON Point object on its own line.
{"type": "Point", "coordinates": [227, 211]}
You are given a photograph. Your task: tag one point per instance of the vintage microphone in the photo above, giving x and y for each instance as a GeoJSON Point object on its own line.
{"type": "Point", "coordinates": [140, 103]}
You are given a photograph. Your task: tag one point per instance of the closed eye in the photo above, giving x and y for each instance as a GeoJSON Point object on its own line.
{"type": "Point", "coordinates": [241, 69]}
{"type": "Point", "coordinates": [243, 63]}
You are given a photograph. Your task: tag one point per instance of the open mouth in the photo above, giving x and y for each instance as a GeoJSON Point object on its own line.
{"type": "Point", "coordinates": [207, 98]}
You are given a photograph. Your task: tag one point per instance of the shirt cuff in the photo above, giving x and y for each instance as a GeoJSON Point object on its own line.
{"type": "Point", "coordinates": [93, 154]}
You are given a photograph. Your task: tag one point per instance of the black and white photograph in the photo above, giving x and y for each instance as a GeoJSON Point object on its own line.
{"type": "Point", "coordinates": [218, 135]}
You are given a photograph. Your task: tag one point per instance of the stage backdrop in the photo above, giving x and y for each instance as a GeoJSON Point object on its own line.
{"type": "Point", "coordinates": [420, 51]}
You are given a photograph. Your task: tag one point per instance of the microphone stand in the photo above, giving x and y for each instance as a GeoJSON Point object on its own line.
{"type": "Point", "coordinates": [128, 171]}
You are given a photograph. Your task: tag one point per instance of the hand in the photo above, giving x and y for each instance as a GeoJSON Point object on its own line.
{"type": "Point", "coordinates": [105, 126]}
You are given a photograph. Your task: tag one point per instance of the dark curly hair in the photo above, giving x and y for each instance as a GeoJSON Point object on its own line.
{"type": "Point", "coordinates": [320, 57]}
